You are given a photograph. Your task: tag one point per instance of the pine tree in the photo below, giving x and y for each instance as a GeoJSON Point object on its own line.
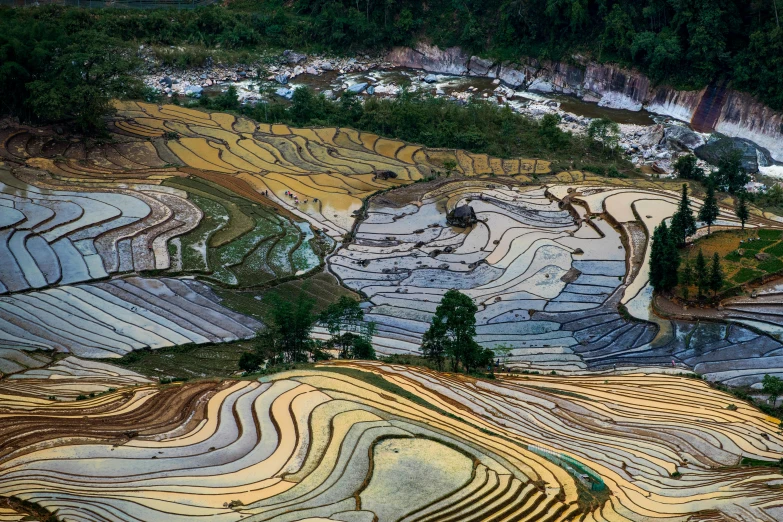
{"type": "Point", "coordinates": [742, 210]}
{"type": "Point", "coordinates": [664, 259]}
{"type": "Point", "coordinates": [716, 274]}
{"type": "Point", "coordinates": [686, 279]}
{"type": "Point", "coordinates": [709, 212]}
{"type": "Point", "coordinates": [683, 223]}
{"type": "Point", "coordinates": [701, 274]}
{"type": "Point", "coordinates": [658, 248]}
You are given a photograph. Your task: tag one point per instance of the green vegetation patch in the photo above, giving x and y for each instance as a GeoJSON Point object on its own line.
{"type": "Point", "coordinates": [770, 235]}
{"type": "Point", "coordinates": [744, 275]}
{"type": "Point", "coordinates": [321, 287]}
{"type": "Point", "coordinates": [744, 255]}
{"type": "Point", "coordinates": [186, 362]}
{"type": "Point", "coordinates": [246, 244]}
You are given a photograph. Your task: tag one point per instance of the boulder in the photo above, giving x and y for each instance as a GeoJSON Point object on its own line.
{"type": "Point", "coordinates": [385, 174]}
{"type": "Point", "coordinates": [717, 146]}
{"type": "Point", "coordinates": [371, 89]}
{"type": "Point", "coordinates": [763, 256]}
{"type": "Point", "coordinates": [462, 216]}
{"type": "Point", "coordinates": [194, 90]}
{"type": "Point", "coordinates": [294, 57]}
{"type": "Point", "coordinates": [328, 94]}
{"type": "Point", "coordinates": [479, 66]}
{"type": "Point", "coordinates": [282, 79]}
{"type": "Point", "coordinates": [571, 275]}
{"type": "Point", "coordinates": [166, 81]}
{"type": "Point", "coordinates": [312, 70]}
{"type": "Point", "coordinates": [430, 58]}
{"type": "Point", "coordinates": [285, 93]}
{"type": "Point", "coordinates": [357, 88]}
{"type": "Point", "coordinates": [511, 76]}
{"type": "Point", "coordinates": [682, 138]}
{"type": "Point", "coordinates": [652, 136]}
{"type": "Point", "coordinates": [430, 78]}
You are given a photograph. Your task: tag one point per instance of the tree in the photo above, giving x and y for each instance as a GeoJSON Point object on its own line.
{"type": "Point", "coordinates": [433, 343]}
{"type": "Point", "coordinates": [604, 131]}
{"type": "Point", "coordinates": [344, 320]}
{"type": "Point", "coordinates": [741, 210]}
{"type": "Point", "coordinates": [701, 273]}
{"type": "Point", "coordinates": [772, 386]}
{"type": "Point", "coordinates": [664, 259]}
{"type": "Point", "coordinates": [686, 168]}
{"type": "Point", "coordinates": [286, 337]}
{"type": "Point", "coordinates": [250, 362]}
{"type": "Point", "coordinates": [81, 81]}
{"type": "Point", "coordinates": [686, 279]}
{"type": "Point", "coordinates": [731, 176]}
{"type": "Point", "coordinates": [550, 131]}
{"type": "Point", "coordinates": [452, 332]}
{"type": "Point", "coordinates": [708, 213]}
{"type": "Point", "coordinates": [362, 349]}
{"type": "Point", "coordinates": [716, 274]}
{"type": "Point", "coordinates": [683, 224]}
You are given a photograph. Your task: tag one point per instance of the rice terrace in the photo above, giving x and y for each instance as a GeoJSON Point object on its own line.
{"type": "Point", "coordinates": [407, 286]}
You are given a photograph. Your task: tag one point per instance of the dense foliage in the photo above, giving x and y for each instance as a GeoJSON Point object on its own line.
{"type": "Point", "coordinates": [435, 122]}
{"type": "Point", "coordinates": [52, 72]}
{"type": "Point", "coordinates": [664, 259]}
{"type": "Point", "coordinates": [688, 43]}
{"type": "Point", "coordinates": [452, 334]}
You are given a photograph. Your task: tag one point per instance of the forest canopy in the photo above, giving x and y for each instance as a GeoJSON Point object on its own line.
{"type": "Point", "coordinates": [685, 43]}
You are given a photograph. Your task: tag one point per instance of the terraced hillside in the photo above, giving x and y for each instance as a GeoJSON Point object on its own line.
{"type": "Point", "coordinates": [95, 238]}
{"type": "Point", "coordinates": [340, 443]}
{"type": "Point", "coordinates": [179, 192]}
{"type": "Point", "coordinates": [548, 267]}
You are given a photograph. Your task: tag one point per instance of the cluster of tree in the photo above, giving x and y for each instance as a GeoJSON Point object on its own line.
{"type": "Point", "coordinates": [666, 241]}
{"type": "Point", "coordinates": [50, 72]}
{"type": "Point", "coordinates": [702, 276]}
{"type": "Point", "coordinates": [730, 176]}
{"type": "Point", "coordinates": [351, 334]}
{"type": "Point", "coordinates": [452, 335]}
{"type": "Point", "coordinates": [286, 338]}
{"type": "Point", "coordinates": [773, 387]}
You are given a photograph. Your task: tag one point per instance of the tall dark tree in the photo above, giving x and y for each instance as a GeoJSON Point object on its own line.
{"type": "Point", "coordinates": [773, 387]}
{"type": "Point", "coordinates": [686, 168]}
{"type": "Point", "coordinates": [708, 213]}
{"type": "Point", "coordinates": [686, 279]}
{"type": "Point", "coordinates": [433, 343]}
{"type": "Point", "coordinates": [683, 224]}
{"type": "Point", "coordinates": [664, 259]}
{"type": "Point", "coordinates": [716, 274]}
{"type": "Point", "coordinates": [701, 274]}
{"type": "Point", "coordinates": [731, 175]}
{"type": "Point", "coordinates": [741, 210]}
{"type": "Point", "coordinates": [453, 330]}
{"type": "Point", "coordinates": [351, 334]}
{"type": "Point", "coordinates": [286, 337]}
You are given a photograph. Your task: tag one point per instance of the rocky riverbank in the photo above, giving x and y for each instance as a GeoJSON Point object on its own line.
{"type": "Point", "coordinates": [714, 108]}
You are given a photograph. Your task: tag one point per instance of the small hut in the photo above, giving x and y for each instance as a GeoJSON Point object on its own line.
{"type": "Point", "coordinates": [462, 216]}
